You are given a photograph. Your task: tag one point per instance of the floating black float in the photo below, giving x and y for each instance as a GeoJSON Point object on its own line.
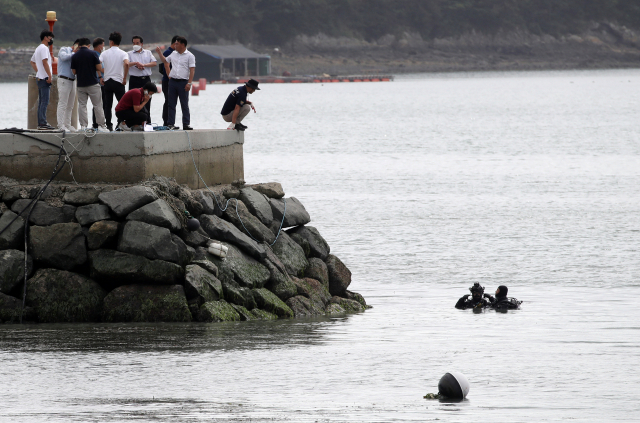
{"type": "Point", "coordinates": [453, 385]}
{"type": "Point", "coordinates": [193, 224]}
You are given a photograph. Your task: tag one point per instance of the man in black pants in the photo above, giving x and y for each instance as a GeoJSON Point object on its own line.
{"type": "Point", "coordinates": [116, 68]}
{"type": "Point", "coordinates": [183, 67]}
{"type": "Point", "coordinates": [140, 63]}
{"type": "Point", "coordinates": [130, 111]}
{"type": "Point", "coordinates": [165, 81]}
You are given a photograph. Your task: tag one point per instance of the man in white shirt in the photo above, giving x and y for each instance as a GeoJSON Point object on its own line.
{"type": "Point", "coordinates": [183, 67]}
{"type": "Point", "coordinates": [41, 63]}
{"type": "Point", "coordinates": [116, 68]}
{"type": "Point", "coordinates": [140, 63]}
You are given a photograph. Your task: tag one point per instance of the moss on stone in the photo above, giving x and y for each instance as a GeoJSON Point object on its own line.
{"type": "Point", "coordinates": [218, 311]}
{"type": "Point", "coordinates": [268, 301]}
{"type": "Point", "coordinates": [147, 303]}
{"type": "Point", "coordinates": [263, 315]}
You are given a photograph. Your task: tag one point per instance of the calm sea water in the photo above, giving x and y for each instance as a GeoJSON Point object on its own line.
{"type": "Point", "coordinates": [421, 186]}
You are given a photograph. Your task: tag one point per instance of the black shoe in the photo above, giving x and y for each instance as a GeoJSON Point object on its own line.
{"type": "Point", "coordinates": [187, 128]}
{"type": "Point", "coordinates": [240, 127]}
{"type": "Point", "coordinates": [173, 127]}
{"type": "Point", "coordinates": [45, 127]}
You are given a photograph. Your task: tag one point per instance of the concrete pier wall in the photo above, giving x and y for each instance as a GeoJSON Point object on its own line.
{"type": "Point", "coordinates": [128, 157]}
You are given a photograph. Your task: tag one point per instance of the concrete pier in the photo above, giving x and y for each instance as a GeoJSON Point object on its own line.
{"type": "Point", "coordinates": [128, 157]}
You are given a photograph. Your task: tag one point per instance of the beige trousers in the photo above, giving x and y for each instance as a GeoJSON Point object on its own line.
{"type": "Point", "coordinates": [95, 94]}
{"type": "Point", "coordinates": [66, 100]}
{"type": "Point", "coordinates": [244, 111]}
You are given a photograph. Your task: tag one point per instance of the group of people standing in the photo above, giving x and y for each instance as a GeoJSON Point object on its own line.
{"type": "Point", "coordinates": [101, 74]}
{"type": "Point", "coordinates": [478, 300]}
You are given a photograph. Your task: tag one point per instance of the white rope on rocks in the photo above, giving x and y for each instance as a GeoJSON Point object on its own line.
{"type": "Point", "coordinates": [227, 203]}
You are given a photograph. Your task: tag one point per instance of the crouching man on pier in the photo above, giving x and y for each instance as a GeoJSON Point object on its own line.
{"type": "Point", "coordinates": [236, 107]}
{"type": "Point", "coordinates": [130, 111]}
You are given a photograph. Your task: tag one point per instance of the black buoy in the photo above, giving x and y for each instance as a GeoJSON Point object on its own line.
{"type": "Point", "coordinates": [193, 224]}
{"type": "Point", "coordinates": [453, 385]}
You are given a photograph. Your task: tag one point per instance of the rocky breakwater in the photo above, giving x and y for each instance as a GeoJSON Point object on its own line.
{"type": "Point", "coordinates": [123, 254]}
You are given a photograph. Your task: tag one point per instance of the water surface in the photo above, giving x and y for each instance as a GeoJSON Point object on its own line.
{"type": "Point", "coordinates": [421, 186]}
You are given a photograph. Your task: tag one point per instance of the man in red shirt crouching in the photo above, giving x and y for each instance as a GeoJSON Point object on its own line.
{"type": "Point", "coordinates": [130, 110]}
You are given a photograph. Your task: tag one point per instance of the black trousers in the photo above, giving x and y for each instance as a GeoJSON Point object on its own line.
{"type": "Point", "coordinates": [95, 124]}
{"type": "Point", "coordinates": [111, 88]}
{"type": "Point", "coordinates": [165, 108]}
{"type": "Point", "coordinates": [139, 82]}
{"type": "Point", "coordinates": [132, 118]}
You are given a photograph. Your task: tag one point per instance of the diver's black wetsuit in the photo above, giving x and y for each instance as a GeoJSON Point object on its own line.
{"type": "Point", "coordinates": [505, 303]}
{"type": "Point", "coordinates": [464, 303]}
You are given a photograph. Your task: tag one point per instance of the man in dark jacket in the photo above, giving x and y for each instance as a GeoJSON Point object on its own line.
{"type": "Point", "coordinates": [476, 301]}
{"type": "Point", "coordinates": [501, 302]}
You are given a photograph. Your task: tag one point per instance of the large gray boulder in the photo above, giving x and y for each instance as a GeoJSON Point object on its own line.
{"type": "Point", "coordinates": [61, 245]}
{"type": "Point", "coordinates": [86, 215]}
{"type": "Point", "coordinates": [43, 214]}
{"type": "Point", "coordinates": [270, 189]}
{"type": "Point", "coordinates": [157, 213]}
{"type": "Point", "coordinates": [301, 307]}
{"type": "Point", "coordinates": [247, 271]}
{"type": "Point", "coordinates": [279, 281]}
{"type": "Point", "coordinates": [195, 239]}
{"type": "Point", "coordinates": [257, 204]}
{"type": "Point", "coordinates": [61, 296]}
{"type": "Point", "coordinates": [13, 236]}
{"type": "Point", "coordinates": [12, 270]}
{"type": "Point", "coordinates": [201, 286]}
{"type": "Point", "coordinates": [217, 228]}
{"type": "Point", "coordinates": [114, 268]}
{"type": "Point", "coordinates": [339, 276]}
{"type": "Point", "coordinates": [81, 196]}
{"type": "Point", "coordinates": [349, 306]}
{"type": "Point", "coordinates": [125, 200]}
{"type": "Point", "coordinates": [11, 308]}
{"type": "Point", "coordinates": [150, 241]}
{"type": "Point", "coordinates": [317, 294]}
{"type": "Point", "coordinates": [318, 270]}
{"type": "Point", "coordinates": [205, 200]}
{"type": "Point", "coordinates": [290, 254]}
{"type": "Point", "coordinates": [243, 312]}
{"type": "Point", "coordinates": [218, 311]}
{"type": "Point", "coordinates": [296, 214]}
{"type": "Point", "coordinates": [236, 294]}
{"type": "Point", "coordinates": [263, 315]}
{"type": "Point", "coordinates": [268, 301]}
{"type": "Point", "coordinates": [318, 247]}
{"type": "Point", "coordinates": [102, 234]}
{"type": "Point", "coordinates": [239, 215]}
{"type": "Point", "coordinates": [146, 303]}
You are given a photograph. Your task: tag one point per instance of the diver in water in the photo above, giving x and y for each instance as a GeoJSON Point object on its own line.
{"type": "Point", "coordinates": [503, 303]}
{"type": "Point", "coordinates": [476, 301]}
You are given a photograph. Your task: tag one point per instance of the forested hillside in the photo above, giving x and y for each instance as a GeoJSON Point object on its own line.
{"type": "Point", "coordinates": [273, 22]}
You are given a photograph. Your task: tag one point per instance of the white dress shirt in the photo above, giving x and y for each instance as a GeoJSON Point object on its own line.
{"type": "Point", "coordinates": [143, 57]}
{"type": "Point", "coordinates": [113, 62]}
{"type": "Point", "coordinates": [180, 64]}
{"type": "Point", "coordinates": [41, 53]}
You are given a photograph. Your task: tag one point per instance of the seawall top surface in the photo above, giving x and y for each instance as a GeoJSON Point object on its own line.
{"type": "Point", "coordinates": [119, 143]}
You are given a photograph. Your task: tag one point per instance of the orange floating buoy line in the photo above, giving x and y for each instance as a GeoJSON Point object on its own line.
{"type": "Point", "coordinates": [307, 79]}
{"type": "Point", "coordinates": [201, 83]}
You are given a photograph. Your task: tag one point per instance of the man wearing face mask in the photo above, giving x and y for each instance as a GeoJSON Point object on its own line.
{"type": "Point", "coordinates": [140, 63]}
{"type": "Point", "coordinates": [130, 110]}
{"type": "Point", "coordinates": [66, 87]}
{"type": "Point", "coordinates": [476, 301]}
{"type": "Point", "coordinates": [41, 63]}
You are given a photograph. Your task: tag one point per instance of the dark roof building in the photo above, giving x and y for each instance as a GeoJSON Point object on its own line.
{"type": "Point", "coordinates": [225, 62]}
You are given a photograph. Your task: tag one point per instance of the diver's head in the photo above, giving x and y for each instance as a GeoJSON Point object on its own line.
{"type": "Point", "coordinates": [476, 291]}
{"type": "Point", "coordinates": [501, 292]}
